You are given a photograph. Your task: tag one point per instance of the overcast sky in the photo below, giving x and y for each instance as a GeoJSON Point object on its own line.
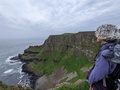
{"type": "Point", "coordinates": [41, 18]}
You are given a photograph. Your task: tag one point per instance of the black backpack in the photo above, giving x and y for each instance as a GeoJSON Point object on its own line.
{"type": "Point", "coordinates": [113, 79]}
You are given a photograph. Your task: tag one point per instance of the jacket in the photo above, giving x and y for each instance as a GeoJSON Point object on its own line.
{"type": "Point", "coordinates": [102, 66]}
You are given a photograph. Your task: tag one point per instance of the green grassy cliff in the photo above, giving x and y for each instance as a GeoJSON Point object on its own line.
{"type": "Point", "coordinates": [73, 52]}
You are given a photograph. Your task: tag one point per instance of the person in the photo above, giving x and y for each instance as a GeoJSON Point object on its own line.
{"type": "Point", "coordinates": [106, 35]}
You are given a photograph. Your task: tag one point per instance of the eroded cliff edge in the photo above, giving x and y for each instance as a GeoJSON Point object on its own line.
{"type": "Point", "coordinates": [59, 58]}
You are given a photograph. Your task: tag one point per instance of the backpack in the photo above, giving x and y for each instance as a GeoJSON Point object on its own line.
{"type": "Point", "coordinates": [113, 79]}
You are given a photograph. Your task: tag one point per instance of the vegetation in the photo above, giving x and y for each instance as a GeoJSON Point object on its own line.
{"type": "Point", "coordinates": [61, 51]}
{"type": "Point", "coordinates": [54, 60]}
{"type": "Point", "coordinates": [69, 61]}
{"type": "Point", "coordinates": [6, 87]}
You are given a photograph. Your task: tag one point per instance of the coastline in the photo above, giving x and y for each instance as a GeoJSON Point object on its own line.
{"type": "Point", "coordinates": [31, 75]}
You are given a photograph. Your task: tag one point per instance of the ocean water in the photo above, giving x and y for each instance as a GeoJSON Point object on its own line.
{"type": "Point", "coordinates": [10, 70]}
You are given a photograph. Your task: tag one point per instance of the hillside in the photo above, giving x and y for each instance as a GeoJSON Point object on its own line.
{"type": "Point", "coordinates": [62, 58]}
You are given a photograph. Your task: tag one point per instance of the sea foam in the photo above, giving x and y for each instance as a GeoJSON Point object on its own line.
{"type": "Point", "coordinates": [8, 71]}
{"type": "Point", "coordinates": [12, 62]}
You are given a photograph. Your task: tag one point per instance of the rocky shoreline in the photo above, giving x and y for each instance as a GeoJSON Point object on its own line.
{"type": "Point", "coordinates": [31, 75]}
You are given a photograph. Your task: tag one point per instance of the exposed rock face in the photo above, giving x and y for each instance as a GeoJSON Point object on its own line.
{"type": "Point", "coordinates": [45, 82]}
{"type": "Point", "coordinates": [14, 58]}
{"type": "Point", "coordinates": [82, 43]}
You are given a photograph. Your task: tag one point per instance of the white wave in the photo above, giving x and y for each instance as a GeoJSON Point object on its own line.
{"type": "Point", "coordinates": [20, 70]}
{"type": "Point", "coordinates": [19, 82]}
{"type": "Point", "coordinates": [24, 82]}
{"type": "Point", "coordinates": [12, 62]}
{"type": "Point", "coordinates": [15, 68]}
{"type": "Point", "coordinates": [8, 71]}
{"type": "Point", "coordinates": [21, 76]}
{"type": "Point", "coordinates": [8, 59]}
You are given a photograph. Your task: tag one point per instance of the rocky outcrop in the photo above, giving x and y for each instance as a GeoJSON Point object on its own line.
{"type": "Point", "coordinates": [45, 82]}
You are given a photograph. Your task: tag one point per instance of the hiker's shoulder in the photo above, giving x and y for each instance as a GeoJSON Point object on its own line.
{"type": "Point", "coordinates": [106, 51]}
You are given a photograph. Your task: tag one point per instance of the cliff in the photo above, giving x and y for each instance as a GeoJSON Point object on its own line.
{"type": "Point", "coordinates": [69, 54]}
{"type": "Point", "coordinates": [82, 43]}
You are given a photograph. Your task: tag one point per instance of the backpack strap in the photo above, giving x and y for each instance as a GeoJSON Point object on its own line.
{"type": "Point", "coordinates": [104, 82]}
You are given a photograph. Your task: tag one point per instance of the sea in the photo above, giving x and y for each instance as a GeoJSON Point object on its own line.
{"type": "Point", "coordinates": [11, 70]}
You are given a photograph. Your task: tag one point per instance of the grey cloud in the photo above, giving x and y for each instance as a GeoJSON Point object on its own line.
{"type": "Point", "coordinates": [38, 18]}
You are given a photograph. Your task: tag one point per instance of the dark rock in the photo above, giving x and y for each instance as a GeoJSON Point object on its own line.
{"type": "Point", "coordinates": [30, 52]}
{"type": "Point", "coordinates": [14, 58]}
{"type": "Point", "coordinates": [26, 60]}
{"type": "Point", "coordinates": [56, 60]}
{"type": "Point", "coordinates": [19, 56]}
